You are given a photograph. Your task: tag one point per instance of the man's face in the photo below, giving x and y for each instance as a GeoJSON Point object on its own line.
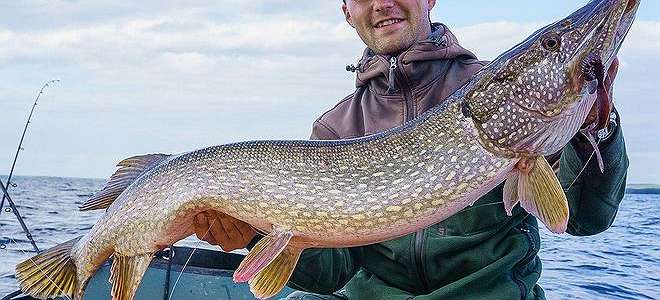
{"type": "Point", "coordinates": [389, 26]}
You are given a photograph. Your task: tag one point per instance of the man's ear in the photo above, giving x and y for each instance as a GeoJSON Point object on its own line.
{"type": "Point", "coordinates": [431, 4]}
{"type": "Point", "coordinates": [347, 15]}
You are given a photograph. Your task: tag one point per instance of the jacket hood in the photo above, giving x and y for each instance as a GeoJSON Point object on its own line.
{"type": "Point", "coordinates": [441, 44]}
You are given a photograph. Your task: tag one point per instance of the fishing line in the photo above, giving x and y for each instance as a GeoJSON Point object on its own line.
{"type": "Point", "coordinates": [189, 257]}
{"type": "Point", "coordinates": [41, 270]}
{"type": "Point", "coordinates": [584, 167]}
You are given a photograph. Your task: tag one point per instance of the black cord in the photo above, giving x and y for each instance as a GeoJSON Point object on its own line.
{"type": "Point", "coordinates": [170, 256]}
{"type": "Point", "coordinates": [12, 295]}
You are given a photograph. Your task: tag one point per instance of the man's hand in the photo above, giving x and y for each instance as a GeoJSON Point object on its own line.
{"type": "Point", "coordinates": [609, 82]}
{"type": "Point", "coordinates": [220, 229]}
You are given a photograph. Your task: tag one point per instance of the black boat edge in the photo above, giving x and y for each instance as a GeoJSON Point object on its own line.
{"type": "Point", "coordinates": [208, 270]}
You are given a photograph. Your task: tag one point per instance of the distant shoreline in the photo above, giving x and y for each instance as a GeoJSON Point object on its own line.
{"type": "Point", "coordinates": [635, 189]}
{"type": "Point", "coordinates": [4, 176]}
{"type": "Point", "coordinates": [643, 189]}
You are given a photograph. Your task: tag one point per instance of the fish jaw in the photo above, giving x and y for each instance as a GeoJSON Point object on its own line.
{"type": "Point", "coordinates": [519, 100]}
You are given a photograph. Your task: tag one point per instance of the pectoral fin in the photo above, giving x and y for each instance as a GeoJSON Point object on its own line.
{"type": "Point", "coordinates": [272, 279]}
{"type": "Point", "coordinates": [510, 197]}
{"type": "Point", "coordinates": [263, 253]}
{"type": "Point", "coordinates": [126, 274]}
{"type": "Point", "coordinates": [540, 194]}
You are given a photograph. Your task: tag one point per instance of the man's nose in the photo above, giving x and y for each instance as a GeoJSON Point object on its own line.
{"type": "Point", "coordinates": [380, 5]}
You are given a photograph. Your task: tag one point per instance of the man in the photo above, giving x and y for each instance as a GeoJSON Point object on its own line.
{"type": "Point", "coordinates": [480, 253]}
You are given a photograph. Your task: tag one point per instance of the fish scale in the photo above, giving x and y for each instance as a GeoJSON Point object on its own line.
{"type": "Point", "coordinates": [527, 103]}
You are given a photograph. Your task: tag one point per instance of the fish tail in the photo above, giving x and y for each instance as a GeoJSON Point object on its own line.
{"type": "Point", "coordinates": [539, 192]}
{"type": "Point", "coordinates": [50, 274]}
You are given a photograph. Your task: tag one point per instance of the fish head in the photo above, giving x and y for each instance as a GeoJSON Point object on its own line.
{"type": "Point", "coordinates": [532, 99]}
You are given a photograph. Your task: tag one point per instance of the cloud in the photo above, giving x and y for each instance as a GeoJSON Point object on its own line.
{"type": "Point", "coordinates": [154, 76]}
{"type": "Point", "coordinates": [644, 36]}
{"type": "Point", "coordinates": [490, 39]}
{"type": "Point", "coordinates": [185, 47]}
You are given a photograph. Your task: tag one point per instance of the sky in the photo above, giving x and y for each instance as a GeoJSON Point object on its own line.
{"type": "Point", "coordinates": [173, 76]}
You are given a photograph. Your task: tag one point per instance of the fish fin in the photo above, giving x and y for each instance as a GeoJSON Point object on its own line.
{"type": "Point", "coordinates": [594, 144]}
{"type": "Point", "coordinates": [263, 253]}
{"type": "Point", "coordinates": [541, 195]}
{"type": "Point", "coordinates": [126, 273]}
{"type": "Point", "coordinates": [273, 277]}
{"type": "Point", "coordinates": [510, 197]}
{"type": "Point", "coordinates": [130, 169]}
{"type": "Point", "coordinates": [49, 274]}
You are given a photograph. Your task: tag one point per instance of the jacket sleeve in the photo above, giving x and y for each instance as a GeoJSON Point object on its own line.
{"type": "Point", "coordinates": [594, 197]}
{"type": "Point", "coordinates": [324, 271]}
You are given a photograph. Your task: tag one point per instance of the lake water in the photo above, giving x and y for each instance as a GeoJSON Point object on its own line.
{"type": "Point", "coordinates": [621, 263]}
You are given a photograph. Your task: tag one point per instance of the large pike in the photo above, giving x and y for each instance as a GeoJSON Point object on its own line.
{"type": "Point", "coordinates": [527, 103]}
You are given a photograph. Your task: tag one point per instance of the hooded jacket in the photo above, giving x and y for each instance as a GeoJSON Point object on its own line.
{"type": "Point", "coordinates": [479, 253]}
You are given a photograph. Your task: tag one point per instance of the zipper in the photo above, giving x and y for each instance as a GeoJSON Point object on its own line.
{"type": "Point", "coordinates": [421, 234]}
{"type": "Point", "coordinates": [420, 241]}
{"type": "Point", "coordinates": [404, 88]}
{"type": "Point", "coordinates": [391, 83]}
{"type": "Point", "coordinates": [528, 257]}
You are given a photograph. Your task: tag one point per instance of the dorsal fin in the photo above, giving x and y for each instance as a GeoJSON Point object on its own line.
{"type": "Point", "coordinates": [129, 170]}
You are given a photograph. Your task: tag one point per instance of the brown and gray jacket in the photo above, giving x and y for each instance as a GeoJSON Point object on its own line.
{"type": "Point", "coordinates": [392, 90]}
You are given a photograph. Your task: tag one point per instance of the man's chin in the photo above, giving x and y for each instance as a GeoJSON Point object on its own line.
{"type": "Point", "coordinates": [385, 47]}
{"type": "Point", "coordinates": [392, 43]}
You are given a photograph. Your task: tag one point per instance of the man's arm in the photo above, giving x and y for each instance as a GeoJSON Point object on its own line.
{"type": "Point", "coordinates": [324, 271]}
{"type": "Point", "coordinates": [593, 197]}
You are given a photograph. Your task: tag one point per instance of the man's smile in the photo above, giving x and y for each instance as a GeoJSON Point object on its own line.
{"type": "Point", "coordinates": [388, 23]}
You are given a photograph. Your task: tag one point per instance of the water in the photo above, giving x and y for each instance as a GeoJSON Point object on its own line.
{"type": "Point", "coordinates": [622, 263]}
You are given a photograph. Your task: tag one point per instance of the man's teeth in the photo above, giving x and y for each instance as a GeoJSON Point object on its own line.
{"type": "Point", "coordinates": [387, 23]}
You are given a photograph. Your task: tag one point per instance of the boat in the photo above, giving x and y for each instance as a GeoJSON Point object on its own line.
{"type": "Point", "coordinates": [207, 275]}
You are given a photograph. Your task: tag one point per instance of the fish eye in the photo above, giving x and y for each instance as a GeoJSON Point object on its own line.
{"type": "Point", "coordinates": [551, 42]}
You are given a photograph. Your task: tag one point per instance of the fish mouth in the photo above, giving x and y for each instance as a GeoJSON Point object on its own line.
{"type": "Point", "coordinates": [593, 71]}
{"type": "Point", "coordinates": [604, 25]}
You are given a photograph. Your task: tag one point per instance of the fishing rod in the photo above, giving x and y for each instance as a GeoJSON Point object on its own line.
{"type": "Point", "coordinates": [5, 192]}
{"type": "Point", "coordinates": [20, 143]}
{"type": "Point", "coordinates": [18, 216]}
